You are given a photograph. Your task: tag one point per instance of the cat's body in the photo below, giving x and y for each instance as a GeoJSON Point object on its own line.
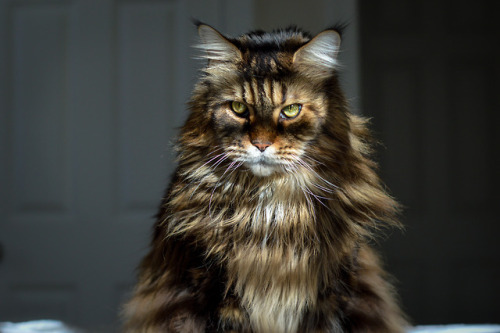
{"type": "Point", "coordinates": [265, 225]}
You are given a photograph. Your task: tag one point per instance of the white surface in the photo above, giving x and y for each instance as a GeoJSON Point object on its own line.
{"type": "Point", "coordinates": [456, 329]}
{"type": "Point", "coordinates": [36, 326]}
{"type": "Point", "coordinates": [54, 326]}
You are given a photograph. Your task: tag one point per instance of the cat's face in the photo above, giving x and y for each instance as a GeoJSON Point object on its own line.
{"type": "Point", "coordinates": [268, 125]}
{"type": "Point", "coordinates": [264, 106]}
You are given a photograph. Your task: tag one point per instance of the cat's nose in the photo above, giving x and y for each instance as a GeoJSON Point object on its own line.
{"type": "Point", "coordinates": [261, 145]}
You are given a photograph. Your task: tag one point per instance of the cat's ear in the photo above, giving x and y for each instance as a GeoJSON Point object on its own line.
{"type": "Point", "coordinates": [217, 47]}
{"type": "Point", "coordinates": [319, 56]}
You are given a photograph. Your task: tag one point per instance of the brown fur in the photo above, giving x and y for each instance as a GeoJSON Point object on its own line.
{"type": "Point", "coordinates": [243, 247]}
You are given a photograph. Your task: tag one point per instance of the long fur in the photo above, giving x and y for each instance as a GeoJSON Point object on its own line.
{"type": "Point", "coordinates": [239, 248]}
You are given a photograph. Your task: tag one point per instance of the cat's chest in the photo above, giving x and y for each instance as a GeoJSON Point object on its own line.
{"type": "Point", "coordinates": [270, 208]}
{"type": "Point", "coordinates": [274, 277]}
{"type": "Point", "coordinates": [270, 266]}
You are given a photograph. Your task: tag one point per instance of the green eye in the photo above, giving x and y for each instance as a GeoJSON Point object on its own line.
{"type": "Point", "coordinates": [238, 108]}
{"type": "Point", "coordinates": [291, 111]}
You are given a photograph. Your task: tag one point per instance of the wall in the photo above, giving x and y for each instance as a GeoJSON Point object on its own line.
{"type": "Point", "coordinates": [430, 80]}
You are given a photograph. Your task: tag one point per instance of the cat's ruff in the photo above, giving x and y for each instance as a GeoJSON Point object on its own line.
{"type": "Point", "coordinates": [266, 223]}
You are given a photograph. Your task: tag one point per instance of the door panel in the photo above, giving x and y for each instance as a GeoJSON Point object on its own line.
{"type": "Point", "coordinates": [91, 94]}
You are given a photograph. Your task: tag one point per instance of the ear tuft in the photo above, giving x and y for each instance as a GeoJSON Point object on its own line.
{"type": "Point", "coordinates": [216, 46]}
{"type": "Point", "coordinates": [319, 55]}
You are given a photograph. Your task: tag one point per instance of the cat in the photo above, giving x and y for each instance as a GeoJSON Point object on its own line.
{"type": "Point", "coordinates": [266, 224]}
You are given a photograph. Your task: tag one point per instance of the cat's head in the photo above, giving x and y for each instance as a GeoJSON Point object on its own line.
{"type": "Point", "coordinates": [266, 99]}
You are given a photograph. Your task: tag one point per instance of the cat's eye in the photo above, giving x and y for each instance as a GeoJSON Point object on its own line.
{"type": "Point", "coordinates": [239, 108]}
{"type": "Point", "coordinates": [291, 111]}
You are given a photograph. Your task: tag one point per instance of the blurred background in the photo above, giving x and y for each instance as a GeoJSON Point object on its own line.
{"type": "Point", "coordinates": [92, 93]}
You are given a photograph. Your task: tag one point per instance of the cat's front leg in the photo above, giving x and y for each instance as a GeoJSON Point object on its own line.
{"type": "Point", "coordinates": [359, 301]}
{"type": "Point", "coordinates": [372, 308]}
{"type": "Point", "coordinates": [177, 292]}
{"type": "Point", "coordinates": [163, 310]}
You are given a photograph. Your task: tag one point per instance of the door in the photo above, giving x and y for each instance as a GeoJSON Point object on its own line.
{"type": "Point", "coordinates": [90, 95]}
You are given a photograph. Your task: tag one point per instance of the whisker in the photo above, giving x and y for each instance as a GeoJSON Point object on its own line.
{"type": "Point", "coordinates": [215, 187]}
{"type": "Point", "coordinates": [310, 204]}
{"type": "Point", "coordinates": [323, 188]}
{"type": "Point", "coordinates": [307, 192]}
{"type": "Point", "coordinates": [230, 167]}
{"type": "Point", "coordinates": [217, 149]}
{"type": "Point", "coordinates": [219, 159]}
{"type": "Point", "coordinates": [312, 159]}
{"type": "Point", "coordinates": [308, 167]}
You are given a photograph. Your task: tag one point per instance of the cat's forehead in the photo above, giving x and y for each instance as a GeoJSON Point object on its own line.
{"type": "Point", "coordinates": [266, 92]}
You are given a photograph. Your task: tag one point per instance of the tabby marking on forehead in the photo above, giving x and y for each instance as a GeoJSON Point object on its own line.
{"type": "Point", "coordinates": [254, 86]}
{"type": "Point", "coordinates": [270, 91]}
{"type": "Point", "coordinates": [248, 93]}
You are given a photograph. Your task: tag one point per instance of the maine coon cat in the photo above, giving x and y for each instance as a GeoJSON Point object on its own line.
{"type": "Point", "coordinates": [266, 223]}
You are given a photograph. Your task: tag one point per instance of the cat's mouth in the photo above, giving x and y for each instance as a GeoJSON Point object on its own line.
{"type": "Point", "coordinates": [262, 169]}
{"type": "Point", "coordinates": [263, 166]}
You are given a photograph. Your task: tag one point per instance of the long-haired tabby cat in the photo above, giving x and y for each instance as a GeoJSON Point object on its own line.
{"type": "Point", "coordinates": [266, 223]}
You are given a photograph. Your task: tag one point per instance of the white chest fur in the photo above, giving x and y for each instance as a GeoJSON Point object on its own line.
{"type": "Point", "coordinates": [272, 270]}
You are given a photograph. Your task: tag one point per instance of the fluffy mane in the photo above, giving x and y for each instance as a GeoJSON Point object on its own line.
{"type": "Point", "coordinates": [277, 251]}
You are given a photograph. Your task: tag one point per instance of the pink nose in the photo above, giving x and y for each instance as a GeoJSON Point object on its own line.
{"type": "Point", "coordinates": [261, 145]}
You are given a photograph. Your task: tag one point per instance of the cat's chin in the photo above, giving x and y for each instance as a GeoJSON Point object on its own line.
{"type": "Point", "coordinates": [262, 169]}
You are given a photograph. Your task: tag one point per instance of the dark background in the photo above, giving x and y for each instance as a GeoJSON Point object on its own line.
{"type": "Point", "coordinates": [430, 75]}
